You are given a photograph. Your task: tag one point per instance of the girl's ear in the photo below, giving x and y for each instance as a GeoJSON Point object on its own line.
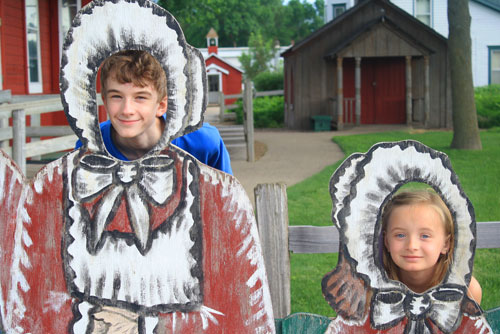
{"type": "Point", "coordinates": [446, 246]}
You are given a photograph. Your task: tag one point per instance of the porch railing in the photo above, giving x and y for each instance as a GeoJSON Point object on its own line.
{"type": "Point", "coordinates": [63, 136]}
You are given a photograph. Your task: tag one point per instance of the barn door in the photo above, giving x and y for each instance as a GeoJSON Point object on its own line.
{"type": "Point", "coordinates": [383, 91]}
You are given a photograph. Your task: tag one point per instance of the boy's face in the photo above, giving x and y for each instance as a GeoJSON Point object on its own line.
{"type": "Point", "coordinates": [133, 110]}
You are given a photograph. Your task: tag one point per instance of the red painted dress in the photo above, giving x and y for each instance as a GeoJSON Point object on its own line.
{"type": "Point", "coordinates": [73, 242]}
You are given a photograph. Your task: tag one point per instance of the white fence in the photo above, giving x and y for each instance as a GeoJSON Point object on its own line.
{"type": "Point", "coordinates": [20, 150]}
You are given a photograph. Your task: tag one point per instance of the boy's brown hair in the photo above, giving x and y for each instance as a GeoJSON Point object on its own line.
{"type": "Point", "coordinates": [136, 67]}
{"type": "Point", "coordinates": [427, 197]}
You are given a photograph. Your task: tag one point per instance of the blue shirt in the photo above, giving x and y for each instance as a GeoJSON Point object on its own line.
{"type": "Point", "coordinates": [205, 144]}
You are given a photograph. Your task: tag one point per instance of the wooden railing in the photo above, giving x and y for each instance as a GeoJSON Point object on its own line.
{"type": "Point", "coordinates": [349, 110]}
{"type": "Point", "coordinates": [20, 150]}
{"type": "Point", "coordinates": [278, 239]}
{"type": "Point", "coordinates": [223, 106]}
{"type": "Point", "coordinates": [248, 95]}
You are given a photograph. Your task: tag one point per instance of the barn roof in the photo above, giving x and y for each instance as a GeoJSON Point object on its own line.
{"type": "Point", "coordinates": [493, 4]}
{"type": "Point", "coordinates": [348, 46]}
{"type": "Point", "coordinates": [224, 61]}
{"type": "Point", "coordinates": [350, 13]}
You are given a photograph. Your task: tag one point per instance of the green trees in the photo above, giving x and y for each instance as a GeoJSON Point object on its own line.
{"type": "Point", "coordinates": [260, 54]}
{"type": "Point", "coordinates": [236, 20]}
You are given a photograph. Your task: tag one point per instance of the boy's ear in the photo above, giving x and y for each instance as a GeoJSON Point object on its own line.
{"type": "Point", "coordinates": [162, 106]}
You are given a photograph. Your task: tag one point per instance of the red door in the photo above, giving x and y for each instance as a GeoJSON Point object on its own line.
{"type": "Point", "coordinates": [383, 91]}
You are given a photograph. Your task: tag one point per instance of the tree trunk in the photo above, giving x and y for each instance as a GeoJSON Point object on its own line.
{"type": "Point", "coordinates": [465, 128]}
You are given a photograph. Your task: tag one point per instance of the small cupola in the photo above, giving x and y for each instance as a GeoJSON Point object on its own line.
{"type": "Point", "coordinates": [212, 41]}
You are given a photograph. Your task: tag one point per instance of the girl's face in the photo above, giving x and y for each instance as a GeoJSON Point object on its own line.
{"type": "Point", "coordinates": [415, 238]}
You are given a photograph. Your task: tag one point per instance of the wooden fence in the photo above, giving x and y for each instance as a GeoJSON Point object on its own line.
{"type": "Point", "coordinates": [278, 239]}
{"type": "Point", "coordinates": [64, 137]}
{"type": "Point", "coordinates": [248, 95]}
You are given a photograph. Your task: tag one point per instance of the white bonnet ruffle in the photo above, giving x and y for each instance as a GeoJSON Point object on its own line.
{"type": "Point", "coordinates": [362, 185]}
{"type": "Point", "coordinates": [106, 27]}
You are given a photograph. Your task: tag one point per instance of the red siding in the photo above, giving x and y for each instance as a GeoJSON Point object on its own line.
{"type": "Point", "coordinates": [231, 83]}
{"type": "Point", "coordinates": [14, 47]}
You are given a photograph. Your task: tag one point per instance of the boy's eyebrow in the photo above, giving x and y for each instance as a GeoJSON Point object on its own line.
{"type": "Point", "coordinates": [143, 92]}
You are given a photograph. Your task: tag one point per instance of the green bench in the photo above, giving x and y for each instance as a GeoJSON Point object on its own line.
{"type": "Point", "coordinates": [306, 323]}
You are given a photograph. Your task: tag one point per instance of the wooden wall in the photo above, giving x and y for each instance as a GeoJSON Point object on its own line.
{"type": "Point", "coordinates": [14, 71]}
{"type": "Point", "coordinates": [315, 78]}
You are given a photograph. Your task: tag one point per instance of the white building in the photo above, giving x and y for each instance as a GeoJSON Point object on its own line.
{"type": "Point", "coordinates": [231, 55]}
{"type": "Point", "coordinates": [485, 29]}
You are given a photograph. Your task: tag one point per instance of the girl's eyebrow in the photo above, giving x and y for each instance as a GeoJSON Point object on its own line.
{"type": "Point", "coordinates": [397, 229]}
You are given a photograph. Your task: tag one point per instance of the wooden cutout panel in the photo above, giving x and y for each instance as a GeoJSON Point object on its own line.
{"type": "Point", "coordinates": [162, 244]}
{"type": "Point", "coordinates": [359, 290]}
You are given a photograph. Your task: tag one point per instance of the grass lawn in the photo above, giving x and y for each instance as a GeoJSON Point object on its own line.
{"type": "Point", "coordinates": [309, 203]}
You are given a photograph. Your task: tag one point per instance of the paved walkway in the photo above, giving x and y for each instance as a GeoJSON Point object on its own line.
{"type": "Point", "coordinates": [293, 156]}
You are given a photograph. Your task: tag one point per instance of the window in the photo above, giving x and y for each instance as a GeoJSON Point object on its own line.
{"type": "Point", "coordinates": [67, 12]}
{"type": "Point", "coordinates": [213, 82]}
{"type": "Point", "coordinates": [494, 63]}
{"type": "Point", "coordinates": [423, 11]}
{"type": "Point", "coordinates": [338, 9]}
{"type": "Point", "coordinates": [33, 47]}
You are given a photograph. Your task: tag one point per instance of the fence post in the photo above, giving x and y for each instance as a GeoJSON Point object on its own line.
{"type": "Point", "coordinates": [222, 108]}
{"type": "Point", "coordinates": [4, 124]}
{"type": "Point", "coordinates": [35, 122]}
{"type": "Point", "coordinates": [248, 109]}
{"type": "Point", "coordinates": [272, 220]}
{"type": "Point", "coordinates": [19, 138]}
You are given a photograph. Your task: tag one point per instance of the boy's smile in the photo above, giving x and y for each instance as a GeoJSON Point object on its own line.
{"type": "Point", "coordinates": [135, 114]}
{"type": "Point", "coordinates": [415, 239]}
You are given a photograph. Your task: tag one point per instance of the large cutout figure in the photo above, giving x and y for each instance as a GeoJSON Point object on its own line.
{"type": "Point", "coordinates": [164, 243]}
{"type": "Point", "coordinates": [367, 301]}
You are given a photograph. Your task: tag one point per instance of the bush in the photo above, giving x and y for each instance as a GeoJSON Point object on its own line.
{"type": "Point", "coordinates": [268, 112]}
{"type": "Point", "coordinates": [268, 81]}
{"type": "Point", "coordinates": [488, 105]}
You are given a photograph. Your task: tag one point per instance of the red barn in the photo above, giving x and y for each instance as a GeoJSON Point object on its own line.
{"type": "Point", "coordinates": [31, 36]}
{"type": "Point", "coordinates": [222, 76]}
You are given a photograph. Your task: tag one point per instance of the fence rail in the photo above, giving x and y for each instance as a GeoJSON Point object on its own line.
{"type": "Point", "coordinates": [17, 111]}
{"type": "Point", "coordinates": [223, 116]}
{"type": "Point", "coordinates": [278, 239]}
{"type": "Point", "coordinates": [64, 139]}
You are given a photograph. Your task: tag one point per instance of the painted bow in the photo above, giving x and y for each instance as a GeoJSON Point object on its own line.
{"type": "Point", "coordinates": [441, 305]}
{"type": "Point", "coordinates": [142, 183]}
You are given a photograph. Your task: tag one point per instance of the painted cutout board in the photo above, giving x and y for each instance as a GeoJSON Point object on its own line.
{"type": "Point", "coordinates": [162, 244]}
{"type": "Point", "coordinates": [359, 289]}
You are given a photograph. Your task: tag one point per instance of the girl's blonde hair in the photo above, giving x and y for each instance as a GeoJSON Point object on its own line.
{"type": "Point", "coordinates": [420, 197]}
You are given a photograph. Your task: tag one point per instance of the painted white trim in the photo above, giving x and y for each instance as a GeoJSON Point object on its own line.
{"type": "Point", "coordinates": [60, 32]}
{"type": "Point", "coordinates": [223, 60]}
{"type": "Point", "coordinates": [34, 87]}
{"type": "Point", "coordinates": [214, 67]}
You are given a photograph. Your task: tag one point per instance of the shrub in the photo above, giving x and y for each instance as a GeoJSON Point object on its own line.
{"type": "Point", "coordinates": [268, 81]}
{"type": "Point", "coordinates": [268, 112]}
{"type": "Point", "coordinates": [488, 105]}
